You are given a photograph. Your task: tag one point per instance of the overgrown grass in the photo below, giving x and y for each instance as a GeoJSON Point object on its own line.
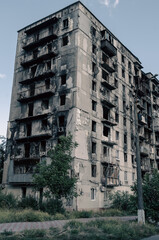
{"type": "Point", "coordinates": [94, 230]}
{"type": "Point", "coordinates": [27, 215]}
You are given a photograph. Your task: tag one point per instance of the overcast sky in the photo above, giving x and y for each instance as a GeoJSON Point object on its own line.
{"type": "Point", "coordinates": [134, 22]}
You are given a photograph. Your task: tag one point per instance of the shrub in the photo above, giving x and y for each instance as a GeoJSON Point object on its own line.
{"type": "Point", "coordinates": [7, 200]}
{"type": "Point", "coordinates": [28, 202]}
{"type": "Point", "coordinates": [52, 206]}
{"type": "Point", "coordinates": [123, 201]}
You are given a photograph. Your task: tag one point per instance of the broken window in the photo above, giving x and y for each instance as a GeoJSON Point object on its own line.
{"type": "Point", "coordinates": [124, 121]}
{"type": "Point", "coordinates": [93, 170]}
{"type": "Point", "coordinates": [32, 89]}
{"type": "Point", "coordinates": [93, 126]}
{"type": "Point", "coordinates": [35, 53]}
{"type": "Point", "coordinates": [117, 117]}
{"type": "Point", "coordinates": [125, 175]}
{"type": "Point", "coordinates": [106, 113]}
{"type": "Point", "coordinates": [94, 86]}
{"type": "Point", "coordinates": [123, 72]}
{"type": "Point", "coordinates": [129, 66]}
{"type": "Point", "coordinates": [93, 147]}
{"type": "Point", "coordinates": [105, 58]}
{"type": "Point", "coordinates": [65, 23]}
{"type": "Point", "coordinates": [125, 138]}
{"type": "Point", "coordinates": [122, 58]}
{"type": "Point", "coordinates": [30, 109]}
{"type": "Point", "coordinates": [64, 40]}
{"type": "Point", "coordinates": [106, 131]}
{"type": "Point", "coordinates": [105, 151]}
{"type": "Point", "coordinates": [117, 154]}
{"type": "Point", "coordinates": [92, 194]}
{"type": "Point", "coordinates": [93, 67]}
{"type": "Point", "coordinates": [130, 79]}
{"type": "Point", "coordinates": [63, 79]}
{"type": "Point", "coordinates": [94, 48]}
{"type": "Point", "coordinates": [27, 150]}
{"type": "Point", "coordinates": [125, 157]}
{"type": "Point", "coordinates": [49, 47]}
{"type": "Point", "coordinates": [62, 100]}
{"type": "Point", "coordinates": [93, 31]}
{"type": "Point", "coordinates": [61, 121]}
{"type": "Point", "coordinates": [105, 75]}
{"type": "Point", "coordinates": [33, 71]}
{"type": "Point", "coordinates": [44, 124]}
{"type": "Point", "coordinates": [48, 65]}
{"type": "Point", "coordinates": [45, 104]}
{"type": "Point", "coordinates": [94, 105]}
{"type": "Point", "coordinates": [117, 135]}
{"type": "Point", "coordinates": [47, 84]}
{"type": "Point", "coordinates": [116, 83]}
{"type": "Point", "coordinates": [43, 146]}
{"type": "Point", "coordinates": [28, 129]}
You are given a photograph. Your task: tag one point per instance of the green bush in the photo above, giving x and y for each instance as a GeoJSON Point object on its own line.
{"type": "Point", "coordinates": [7, 200]}
{"type": "Point", "coordinates": [52, 206]}
{"type": "Point", "coordinates": [28, 202]}
{"type": "Point", "coordinates": [124, 201]}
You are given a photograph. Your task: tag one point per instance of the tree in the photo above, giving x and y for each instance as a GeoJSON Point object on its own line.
{"type": "Point", "coordinates": [150, 195]}
{"type": "Point", "coordinates": [55, 177]}
{"type": "Point", "coordinates": [2, 155]}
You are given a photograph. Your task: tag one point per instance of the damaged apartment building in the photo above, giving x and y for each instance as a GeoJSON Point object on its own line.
{"type": "Point", "coordinates": [73, 75]}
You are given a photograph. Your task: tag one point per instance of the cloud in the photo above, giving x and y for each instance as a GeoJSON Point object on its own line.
{"type": "Point", "coordinates": [110, 3]}
{"type": "Point", "coordinates": [2, 76]}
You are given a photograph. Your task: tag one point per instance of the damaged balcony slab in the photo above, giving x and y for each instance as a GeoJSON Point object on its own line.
{"type": "Point", "coordinates": [34, 138]}
{"type": "Point", "coordinates": [108, 48]}
{"type": "Point", "coordinates": [30, 118]}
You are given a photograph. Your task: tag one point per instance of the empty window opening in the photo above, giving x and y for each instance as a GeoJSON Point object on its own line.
{"type": "Point", "coordinates": [94, 105]}
{"type": "Point", "coordinates": [106, 113]}
{"type": "Point", "coordinates": [106, 131]}
{"type": "Point", "coordinates": [64, 40]}
{"type": "Point", "coordinates": [62, 100]}
{"type": "Point", "coordinates": [35, 53]}
{"type": "Point", "coordinates": [94, 85]}
{"type": "Point", "coordinates": [28, 129]}
{"type": "Point", "coordinates": [117, 117]}
{"type": "Point", "coordinates": [47, 84]}
{"type": "Point", "coordinates": [105, 75]}
{"type": "Point", "coordinates": [33, 71]}
{"type": "Point", "coordinates": [129, 66]}
{"type": "Point", "coordinates": [124, 121]}
{"type": "Point", "coordinates": [45, 104]}
{"type": "Point", "coordinates": [93, 31]}
{"type": "Point", "coordinates": [105, 151]}
{"type": "Point", "coordinates": [93, 194]}
{"type": "Point", "coordinates": [105, 58]}
{"type": "Point", "coordinates": [125, 138]}
{"type": "Point", "coordinates": [117, 154]}
{"type": "Point", "coordinates": [93, 126]}
{"type": "Point", "coordinates": [125, 157]}
{"type": "Point", "coordinates": [93, 147]}
{"type": "Point", "coordinates": [61, 121]}
{"type": "Point", "coordinates": [27, 150]}
{"type": "Point", "coordinates": [123, 73]}
{"type": "Point", "coordinates": [122, 58]}
{"type": "Point", "coordinates": [125, 175]}
{"type": "Point", "coordinates": [48, 65]}
{"type": "Point", "coordinates": [93, 170]}
{"type": "Point", "coordinates": [44, 124]}
{"type": "Point", "coordinates": [43, 146]}
{"type": "Point", "coordinates": [116, 83]}
{"type": "Point", "coordinates": [63, 79]}
{"type": "Point", "coordinates": [94, 48]}
{"type": "Point", "coordinates": [49, 47]}
{"type": "Point", "coordinates": [32, 89]}
{"type": "Point", "coordinates": [130, 79]}
{"type": "Point", "coordinates": [93, 67]}
{"type": "Point", "coordinates": [30, 109]}
{"type": "Point", "coordinates": [65, 23]}
{"type": "Point", "coordinates": [117, 135]}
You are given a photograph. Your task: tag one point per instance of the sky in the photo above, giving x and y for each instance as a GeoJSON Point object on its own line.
{"type": "Point", "coordinates": [134, 22]}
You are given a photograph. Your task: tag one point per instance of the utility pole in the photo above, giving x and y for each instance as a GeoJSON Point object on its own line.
{"type": "Point", "coordinates": [141, 212]}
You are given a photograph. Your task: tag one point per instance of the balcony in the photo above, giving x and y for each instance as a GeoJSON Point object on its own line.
{"type": "Point", "coordinates": [108, 48]}
{"type": "Point", "coordinates": [109, 83]}
{"type": "Point", "coordinates": [42, 135]}
{"type": "Point", "coordinates": [108, 141]}
{"type": "Point", "coordinates": [33, 94]}
{"type": "Point", "coordinates": [39, 57]}
{"type": "Point", "coordinates": [21, 178]}
{"type": "Point", "coordinates": [30, 78]}
{"type": "Point", "coordinates": [108, 159]}
{"type": "Point", "coordinates": [31, 118]}
{"type": "Point", "coordinates": [141, 119]}
{"type": "Point", "coordinates": [43, 37]}
{"type": "Point", "coordinates": [43, 24]}
{"type": "Point", "coordinates": [156, 124]}
{"type": "Point", "coordinates": [144, 150]}
{"type": "Point", "coordinates": [110, 121]}
{"type": "Point", "coordinates": [108, 65]}
{"type": "Point", "coordinates": [107, 100]}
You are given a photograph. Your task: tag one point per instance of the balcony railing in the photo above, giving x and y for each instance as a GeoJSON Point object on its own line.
{"type": "Point", "coordinates": [108, 159]}
{"type": "Point", "coordinates": [109, 121]}
{"type": "Point", "coordinates": [108, 65]}
{"type": "Point", "coordinates": [36, 93]}
{"type": "Point", "coordinates": [39, 57]}
{"type": "Point", "coordinates": [45, 134]}
{"type": "Point", "coordinates": [21, 178]}
{"type": "Point", "coordinates": [109, 83]}
{"type": "Point", "coordinates": [29, 77]}
{"type": "Point", "coordinates": [108, 100]}
{"type": "Point", "coordinates": [108, 48]}
{"type": "Point", "coordinates": [108, 141]}
{"type": "Point", "coordinates": [35, 40]}
{"type": "Point", "coordinates": [144, 150]}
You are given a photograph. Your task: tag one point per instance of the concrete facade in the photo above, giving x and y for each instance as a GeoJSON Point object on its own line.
{"type": "Point", "coordinates": [73, 75]}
